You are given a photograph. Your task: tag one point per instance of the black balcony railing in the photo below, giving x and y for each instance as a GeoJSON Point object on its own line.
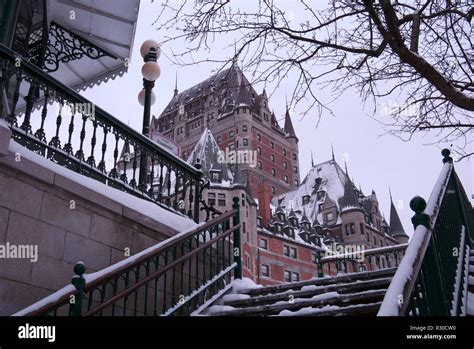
{"type": "Point", "coordinates": [175, 277]}
{"type": "Point", "coordinates": [88, 140]}
{"type": "Point", "coordinates": [432, 276]}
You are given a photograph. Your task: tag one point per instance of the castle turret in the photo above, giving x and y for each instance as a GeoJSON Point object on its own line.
{"type": "Point", "coordinates": [396, 227]}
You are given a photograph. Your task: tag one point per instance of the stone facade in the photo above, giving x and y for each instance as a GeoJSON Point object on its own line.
{"type": "Point", "coordinates": [240, 119]}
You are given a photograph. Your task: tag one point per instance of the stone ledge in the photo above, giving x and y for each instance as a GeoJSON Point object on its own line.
{"type": "Point", "coordinates": [49, 177]}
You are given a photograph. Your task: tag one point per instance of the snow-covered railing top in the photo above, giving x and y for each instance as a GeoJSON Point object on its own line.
{"type": "Point", "coordinates": [65, 127]}
{"type": "Point", "coordinates": [370, 252]}
{"type": "Point", "coordinates": [418, 285]}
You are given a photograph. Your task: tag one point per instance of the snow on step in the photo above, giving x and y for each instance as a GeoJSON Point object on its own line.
{"type": "Point", "coordinates": [331, 310]}
{"type": "Point", "coordinates": [310, 291]}
{"type": "Point", "coordinates": [327, 280]}
{"type": "Point", "coordinates": [470, 304]}
{"type": "Point", "coordinates": [333, 298]}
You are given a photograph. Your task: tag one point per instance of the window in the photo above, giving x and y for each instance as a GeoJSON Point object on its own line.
{"type": "Point", "coordinates": [286, 250]}
{"type": "Point", "coordinates": [294, 253]}
{"type": "Point", "coordinates": [259, 151]}
{"type": "Point", "coordinates": [320, 207]}
{"type": "Point", "coordinates": [320, 194]}
{"type": "Point", "coordinates": [375, 241]}
{"type": "Point", "coordinates": [296, 182]}
{"type": "Point", "coordinates": [305, 199]}
{"type": "Point", "coordinates": [264, 244]}
{"type": "Point", "coordinates": [218, 139]}
{"type": "Point", "coordinates": [381, 243]}
{"type": "Point", "coordinates": [346, 226]}
{"type": "Point", "coordinates": [273, 172]}
{"type": "Point", "coordinates": [368, 237]}
{"type": "Point", "coordinates": [220, 199]}
{"type": "Point", "coordinates": [378, 224]}
{"type": "Point", "coordinates": [314, 258]}
{"type": "Point", "coordinates": [244, 128]}
{"type": "Point", "coordinates": [352, 228]}
{"type": "Point", "coordinates": [286, 178]}
{"type": "Point", "coordinates": [265, 271]}
{"type": "Point", "coordinates": [294, 156]}
{"type": "Point", "coordinates": [285, 165]}
{"type": "Point", "coordinates": [259, 222]}
{"type": "Point", "coordinates": [284, 152]}
{"type": "Point", "coordinates": [232, 146]}
{"type": "Point", "coordinates": [247, 261]}
{"type": "Point", "coordinates": [245, 142]}
{"type": "Point", "coordinates": [273, 190]}
{"type": "Point", "coordinates": [272, 157]}
{"type": "Point", "coordinates": [362, 228]}
{"type": "Point", "coordinates": [231, 134]}
{"type": "Point", "coordinates": [295, 276]}
{"type": "Point", "coordinates": [211, 198]}
{"type": "Point", "coordinates": [287, 276]}
{"type": "Point", "coordinates": [215, 176]}
{"type": "Point", "coordinates": [260, 166]}
{"type": "Point", "coordinates": [259, 138]}
{"type": "Point", "coordinates": [272, 145]}
{"type": "Point", "coordinates": [329, 217]}
{"type": "Point", "coordinates": [295, 169]}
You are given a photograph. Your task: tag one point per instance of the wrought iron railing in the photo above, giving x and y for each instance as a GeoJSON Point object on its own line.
{"type": "Point", "coordinates": [89, 140]}
{"type": "Point", "coordinates": [175, 277]}
{"type": "Point", "coordinates": [362, 260]}
{"type": "Point", "coordinates": [432, 275]}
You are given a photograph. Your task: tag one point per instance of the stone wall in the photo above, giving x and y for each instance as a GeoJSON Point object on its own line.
{"type": "Point", "coordinates": [67, 221]}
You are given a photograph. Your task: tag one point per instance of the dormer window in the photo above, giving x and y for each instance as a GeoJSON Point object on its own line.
{"type": "Point", "coordinates": [329, 217]}
{"type": "Point", "coordinates": [215, 175]}
{"type": "Point", "coordinates": [305, 199]}
{"type": "Point", "coordinates": [318, 181]}
{"type": "Point", "coordinates": [320, 194]}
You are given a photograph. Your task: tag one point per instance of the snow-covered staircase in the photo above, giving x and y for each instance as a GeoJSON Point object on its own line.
{"type": "Point", "coordinates": [470, 295]}
{"type": "Point", "coordinates": [348, 294]}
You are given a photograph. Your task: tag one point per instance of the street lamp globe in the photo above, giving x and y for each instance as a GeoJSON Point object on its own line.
{"type": "Point", "coordinates": [147, 45]}
{"type": "Point", "coordinates": [151, 71]}
{"type": "Point", "coordinates": [141, 97]}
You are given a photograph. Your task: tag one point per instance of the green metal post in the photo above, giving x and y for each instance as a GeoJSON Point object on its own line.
{"type": "Point", "coordinates": [79, 282]}
{"type": "Point", "coordinates": [320, 265]}
{"type": "Point", "coordinates": [237, 247]}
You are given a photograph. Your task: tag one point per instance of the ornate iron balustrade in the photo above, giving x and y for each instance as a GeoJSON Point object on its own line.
{"type": "Point", "coordinates": [175, 277]}
{"type": "Point", "coordinates": [432, 276]}
{"type": "Point", "coordinates": [362, 260]}
{"type": "Point", "coordinates": [88, 140]}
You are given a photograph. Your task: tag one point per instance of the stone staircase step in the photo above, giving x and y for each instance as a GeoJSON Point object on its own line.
{"type": "Point", "coordinates": [329, 280]}
{"type": "Point", "coordinates": [369, 309]}
{"type": "Point", "coordinates": [332, 298]}
{"type": "Point", "coordinates": [310, 291]}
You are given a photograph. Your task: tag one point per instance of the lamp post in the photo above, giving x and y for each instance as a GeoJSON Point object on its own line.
{"type": "Point", "coordinates": [150, 51]}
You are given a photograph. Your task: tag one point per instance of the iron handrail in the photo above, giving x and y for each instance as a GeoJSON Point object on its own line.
{"type": "Point", "coordinates": [25, 64]}
{"type": "Point", "coordinates": [149, 171]}
{"type": "Point", "coordinates": [401, 289]}
{"type": "Point", "coordinates": [370, 252]}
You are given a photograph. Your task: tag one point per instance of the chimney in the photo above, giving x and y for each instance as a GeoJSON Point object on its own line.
{"type": "Point", "coordinates": [264, 197]}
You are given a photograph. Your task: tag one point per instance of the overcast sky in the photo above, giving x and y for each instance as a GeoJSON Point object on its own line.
{"type": "Point", "coordinates": [375, 162]}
